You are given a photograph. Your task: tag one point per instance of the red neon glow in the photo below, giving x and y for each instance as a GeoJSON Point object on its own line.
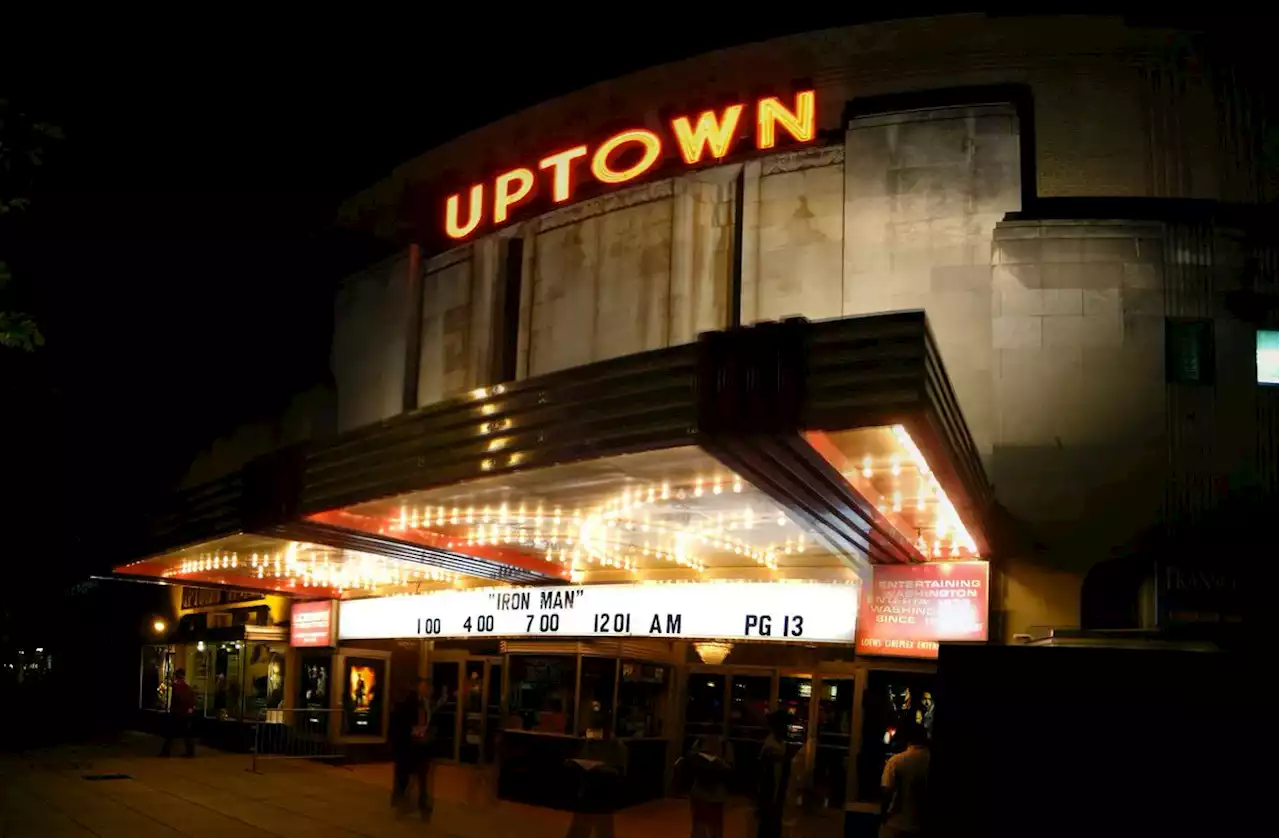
{"type": "Point", "coordinates": [455, 229]}
{"type": "Point", "coordinates": [908, 608]}
{"type": "Point", "coordinates": [800, 123]}
{"type": "Point", "coordinates": [561, 165]}
{"type": "Point", "coordinates": [709, 133]}
{"type": "Point", "coordinates": [311, 624]}
{"type": "Point", "coordinates": [652, 150]}
{"type": "Point", "coordinates": [505, 196]}
{"type": "Point", "coordinates": [440, 540]}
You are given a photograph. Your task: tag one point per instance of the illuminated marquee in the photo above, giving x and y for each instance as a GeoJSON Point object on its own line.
{"type": "Point", "coordinates": [756, 611]}
{"type": "Point", "coordinates": [708, 136]}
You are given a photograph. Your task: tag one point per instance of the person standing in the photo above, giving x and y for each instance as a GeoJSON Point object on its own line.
{"type": "Point", "coordinates": [410, 735]}
{"type": "Point", "coordinates": [182, 707]}
{"type": "Point", "coordinates": [905, 786]}
{"type": "Point", "coordinates": [772, 777]}
{"type": "Point", "coordinates": [926, 713]}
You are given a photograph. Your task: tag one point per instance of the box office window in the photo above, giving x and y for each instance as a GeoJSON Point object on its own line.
{"type": "Point", "coordinates": [599, 679]}
{"type": "Point", "coordinates": [642, 699]}
{"type": "Point", "coordinates": [542, 693]}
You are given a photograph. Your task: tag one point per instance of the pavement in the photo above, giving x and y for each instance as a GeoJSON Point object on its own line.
{"type": "Point", "coordinates": [121, 788]}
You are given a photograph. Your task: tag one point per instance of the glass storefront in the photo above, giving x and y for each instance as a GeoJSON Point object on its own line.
{"type": "Point", "coordinates": [835, 735]}
{"type": "Point", "coordinates": [232, 680]}
{"type": "Point", "coordinates": [819, 707]}
{"type": "Point", "coordinates": [891, 700]}
{"type": "Point", "coordinates": [264, 678]}
{"type": "Point", "coordinates": [157, 676]}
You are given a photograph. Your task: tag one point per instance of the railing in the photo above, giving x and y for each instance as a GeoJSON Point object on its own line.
{"type": "Point", "coordinates": [296, 733]}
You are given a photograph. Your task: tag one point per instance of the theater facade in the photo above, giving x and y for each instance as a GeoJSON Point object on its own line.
{"type": "Point", "coordinates": [743, 383]}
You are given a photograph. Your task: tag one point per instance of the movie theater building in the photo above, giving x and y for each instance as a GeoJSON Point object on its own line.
{"type": "Point", "coordinates": [742, 382]}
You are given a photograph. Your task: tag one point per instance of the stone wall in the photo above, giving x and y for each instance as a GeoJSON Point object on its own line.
{"type": "Point", "coordinates": [458, 305]}
{"type": "Point", "coordinates": [369, 343]}
{"type": "Point", "coordinates": [923, 192]}
{"type": "Point", "coordinates": [639, 269]}
{"type": "Point", "coordinates": [1078, 334]}
{"type": "Point", "coordinates": [601, 284]}
{"type": "Point", "coordinates": [1052, 332]}
{"type": "Point", "coordinates": [1080, 445]}
{"type": "Point", "coordinates": [1120, 110]}
{"type": "Point", "coordinates": [309, 414]}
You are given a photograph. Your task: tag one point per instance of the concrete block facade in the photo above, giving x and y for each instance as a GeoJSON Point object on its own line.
{"type": "Point", "coordinates": [1052, 332]}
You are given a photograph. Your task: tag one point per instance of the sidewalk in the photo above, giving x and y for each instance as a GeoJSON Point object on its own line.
{"type": "Point", "coordinates": [46, 793]}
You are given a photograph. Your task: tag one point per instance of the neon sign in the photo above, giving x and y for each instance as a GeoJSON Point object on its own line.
{"type": "Point", "coordinates": [624, 157]}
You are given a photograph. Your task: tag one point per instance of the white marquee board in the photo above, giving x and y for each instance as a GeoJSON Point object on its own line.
{"type": "Point", "coordinates": [798, 613]}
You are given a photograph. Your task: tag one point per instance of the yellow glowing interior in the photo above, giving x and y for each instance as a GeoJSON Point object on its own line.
{"type": "Point", "coordinates": [295, 567]}
{"type": "Point", "coordinates": [675, 513]}
{"type": "Point", "coordinates": [885, 466]}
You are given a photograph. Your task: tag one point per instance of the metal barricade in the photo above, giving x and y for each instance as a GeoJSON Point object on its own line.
{"type": "Point", "coordinates": [297, 733]}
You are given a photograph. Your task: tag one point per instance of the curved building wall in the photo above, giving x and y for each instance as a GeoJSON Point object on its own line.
{"type": "Point", "coordinates": [1052, 330]}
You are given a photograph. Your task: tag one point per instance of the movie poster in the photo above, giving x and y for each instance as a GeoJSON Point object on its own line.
{"type": "Point", "coordinates": [364, 687]}
{"type": "Point", "coordinates": [265, 674]}
{"type": "Point", "coordinates": [313, 686]}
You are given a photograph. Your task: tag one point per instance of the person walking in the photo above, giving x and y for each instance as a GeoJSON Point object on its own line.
{"type": "Point", "coordinates": [482, 784]}
{"type": "Point", "coordinates": [599, 771]}
{"type": "Point", "coordinates": [904, 786]}
{"type": "Point", "coordinates": [182, 707]}
{"type": "Point", "coordinates": [799, 801]}
{"type": "Point", "coordinates": [708, 767]}
{"type": "Point", "coordinates": [410, 734]}
{"type": "Point", "coordinates": [773, 771]}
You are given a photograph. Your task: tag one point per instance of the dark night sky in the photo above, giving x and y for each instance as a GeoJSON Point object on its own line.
{"type": "Point", "coordinates": [171, 246]}
{"type": "Point", "coordinates": [171, 250]}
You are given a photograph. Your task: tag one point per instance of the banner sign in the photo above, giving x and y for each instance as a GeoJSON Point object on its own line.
{"type": "Point", "coordinates": [311, 624]}
{"type": "Point", "coordinates": [908, 609]}
{"type": "Point", "coordinates": [203, 597]}
{"type": "Point", "coordinates": [1190, 593]}
{"type": "Point", "coordinates": [767, 611]}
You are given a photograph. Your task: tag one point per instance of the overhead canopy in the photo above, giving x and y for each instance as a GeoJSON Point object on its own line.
{"type": "Point", "coordinates": [793, 449]}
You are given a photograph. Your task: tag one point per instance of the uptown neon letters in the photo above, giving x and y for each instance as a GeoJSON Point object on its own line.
{"type": "Point", "coordinates": [708, 136]}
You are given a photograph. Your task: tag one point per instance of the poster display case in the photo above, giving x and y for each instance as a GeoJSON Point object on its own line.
{"type": "Point", "coordinates": [363, 682]}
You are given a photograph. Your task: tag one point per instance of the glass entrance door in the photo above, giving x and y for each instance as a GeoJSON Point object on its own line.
{"type": "Point", "coordinates": [467, 697]}
{"type": "Point", "coordinates": [795, 695]}
{"type": "Point", "coordinates": [750, 699]}
{"type": "Point", "coordinates": [834, 721]}
{"type": "Point", "coordinates": [493, 721]}
{"type": "Point", "coordinates": [444, 700]}
{"type": "Point", "coordinates": [734, 705]}
{"type": "Point", "coordinates": [471, 700]}
{"type": "Point", "coordinates": [480, 700]}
